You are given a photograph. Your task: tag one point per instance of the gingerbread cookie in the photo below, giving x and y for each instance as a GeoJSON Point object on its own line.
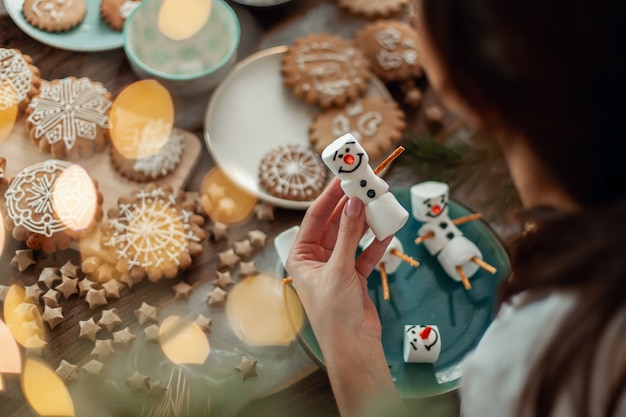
{"type": "Point", "coordinates": [375, 122]}
{"type": "Point", "coordinates": [293, 172]}
{"type": "Point", "coordinates": [373, 9]}
{"type": "Point", "coordinates": [115, 12]}
{"type": "Point", "coordinates": [51, 203]}
{"type": "Point", "coordinates": [153, 167]}
{"type": "Point", "coordinates": [155, 232]}
{"type": "Point", "coordinates": [390, 47]}
{"type": "Point", "coordinates": [54, 15]}
{"type": "Point", "coordinates": [18, 72]}
{"type": "Point", "coordinates": [70, 117]}
{"type": "Point", "coordinates": [325, 70]}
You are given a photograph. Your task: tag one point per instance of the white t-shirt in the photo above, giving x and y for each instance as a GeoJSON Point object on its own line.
{"type": "Point", "coordinates": [494, 374]}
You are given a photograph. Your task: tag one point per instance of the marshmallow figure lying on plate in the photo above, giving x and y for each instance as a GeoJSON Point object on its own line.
{"type": "Point", "coordinates": [422, 343]}
{"type": "Point", "coordinates": [347, 159]}
{"type": "Point", "coordinates": [459, 257]}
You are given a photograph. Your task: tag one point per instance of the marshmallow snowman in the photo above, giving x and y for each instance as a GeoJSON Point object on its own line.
{"type": "Point", "coordinates": [347, 159]}
{"type": "Point", "coordinates": [391, 261]}
{"type": "Point", "coordinates": [422, 343]}
{"type": "Point", "coordinates": [429, 204]}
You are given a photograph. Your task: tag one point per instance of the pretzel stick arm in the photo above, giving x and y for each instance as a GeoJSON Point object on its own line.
{"type": "Point", "coordinates": [484, 265]}
{"type": "Point", "coordinates": [406, 258]}
{"type": "Point", "coordinates": [422, 238]}
{"type": "Point", "coordinates": [468, 218]}
{"type": "Point", "coordinates": [389, 159]}
{"type": "Point", "coordinates": [464, 278]}
{"type": "Point", "coordinates": [384, 281]}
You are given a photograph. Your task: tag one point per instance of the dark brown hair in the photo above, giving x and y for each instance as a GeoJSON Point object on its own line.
{"type": "Point", "coordinates": [555, 72]}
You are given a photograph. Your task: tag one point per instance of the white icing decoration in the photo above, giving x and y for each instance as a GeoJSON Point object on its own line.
{"type": "Point", "coordinates": [163, 161]}
{"type": "Point", "coordinates": [127, 8]}
{"type": "Point", "coordinates": [29, 197]}
{"type": "Point", "coordinates": [294, 170]}
{"type": "Point", "coordinates": [140, 141]}
{"type": "Point", "coordinates": [149, 230]}
{"type": "Point", "coordinates": [68, 110]}
{"type": "Point", "coordinates": [390, 55]}
{"type": "Point", "coordinates": [14, 69]}
{"type": "Point", "coordinates": [389, 60]}
{"type": "Point", "coordinates": [388, 38]}
{"type": "Point", "coordinates": [367, 123]}
{"type": "Point", "coordinates": [51, 7]}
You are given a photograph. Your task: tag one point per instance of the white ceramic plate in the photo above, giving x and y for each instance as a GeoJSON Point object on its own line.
{"type": "Point", "coordinates": [92, 35]}
{"type": "Point", "coordinates": [252, 112]}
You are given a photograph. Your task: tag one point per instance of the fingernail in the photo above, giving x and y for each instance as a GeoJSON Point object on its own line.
{"type": "Point", "coordinates": [353, 207]}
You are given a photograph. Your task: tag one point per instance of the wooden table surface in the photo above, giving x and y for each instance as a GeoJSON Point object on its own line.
{"type": "Point", "coordinates": [311, 396]}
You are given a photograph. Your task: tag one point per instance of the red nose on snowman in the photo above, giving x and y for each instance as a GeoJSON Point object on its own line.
{"type": "Point", "coordinates": [348, 159]}
{"type": "Point", "coordinates": [436, 209]}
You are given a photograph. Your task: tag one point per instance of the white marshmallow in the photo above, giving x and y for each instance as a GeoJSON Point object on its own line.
{"type": "Point", "coordinates": [444, 231]}
{"type": "Point", "coordinates": [420, 344]}
{"type": "Point", "coordinates": [459, 252]}
{"type": "Point", "coordinates": [284, 241]}
{"type": "Point", "coordinates": [347, 159]}
{"type": "Point", "coordinates": [391, 261]}
{"type": "Point", "coordinates": [429, 200]}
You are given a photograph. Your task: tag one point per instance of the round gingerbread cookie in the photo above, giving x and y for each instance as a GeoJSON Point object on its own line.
{"type": "Point", "coordinates": [390, 47]}
{"type": "Point", "coordinates": [51, 203]}
{"type": "Point", "coordinates": [155, 232]}
{"type": "Point", "coordinates": [373, 9]}
{"type": "Point", "coordinates": [70, 117]}
{"type": "Point", "coordinates": [18, 72]}
{"type": "Point", "coordinates": [375, 122]}
{"type": "Point", "coordinates": [115, 12]}
{"type": "Point", "coordinates": [54, 15]}
{"type": "Point", "coordinates": [150, 168]}
{"type": "Point", "coordinates": [293, 172]}
{"type": "Point", "coordinates": [325, 70]}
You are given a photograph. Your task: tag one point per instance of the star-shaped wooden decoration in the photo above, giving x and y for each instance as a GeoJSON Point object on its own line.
{"type": "Point", "coordinates": [67, 371]}
{"type": "Point", "coordinates": [94, 367]}
{"type": "Point", "coordinates": [218, 231]}
{"type": "Point", "coordinates": [51, 298]}
{"type": "Point", "coordinates": [103, 349]}
{"type": "Point", "coordinates": [223, 280]}
{"type": "Point", "coordinates": [69, 269]}
{"type": "Point", "coordinates": [32, 293]}
{"type": "Point", "coordinates": [112, 288]}
{"type": "Point", "coordinates": [84, 285]}
{"type": "Point", "coordinates": [247, 269]}
{"type": "Point", "coordinates": [123, 337]}
{"type": "Point", "coordinates": [264, 212]}
{"type": "Point", "coordinates": [182, 290]}
{"type": "Point", "coordinates": [152, 333]}
{"type": "Point", "coordinates": [146, 313]}
{"type": "Point", "coordinates": [243, 248]}
{"type": "Point", "coordinates": [96, 298]}
{"type": "Point", "coordinates": [53, 315]}
{"type": "Point", "coordinates": [204, 323]}
{"type": "Point", "coordinates": [110, 319]}
{"type": "Point", "coordinates": [49, 277]}
{"type": "Point", "coordinates": [217, 297]}
{"type": "Point", "coordinates": [68, 287]}
{"type": "Point", "coordinates": [247, 368]}
{"type": "Point", "coordinates": [88, 329]}
{"type": "Point", "coordinates": [130, 280]}
{"type": "Point", "coordinates": [257, 238]}
{"type": "Point", "coordinates": [23, 259]}
{"type": "Point", "coordinates": [228, 259]}
{"type": "Point", "coordinates": [138, 382]}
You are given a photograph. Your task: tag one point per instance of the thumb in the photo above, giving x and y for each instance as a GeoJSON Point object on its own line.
{"type": "Point", "coordinates": [350, 231]}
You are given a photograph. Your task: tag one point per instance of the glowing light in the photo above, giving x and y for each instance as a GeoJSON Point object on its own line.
{"type": "Point", "coordinates": [8, 109]}
{"type": "Point", "coordinates": [1, 384]}
{"type": "Point", "coordinates": [183, 341]}
{"type": "Point", "coordinates": [3, 235]}
{"type": "Point", "coordinates": [223, 200]}
{"type": "Point", "coordinates": [45, 391]}
{"type": "Point", "coordinates": [10, 358]}
{"type": "Point", "coordinates": [74, 198]}
{"type": "Point", "coordinates": [259, 314]}
{"type": "Point", "coordinates": [141, 119]}
{"type": "Point", "coordinates": [23, 319]}
{"type": "Point", "coordinates": [181, 19]}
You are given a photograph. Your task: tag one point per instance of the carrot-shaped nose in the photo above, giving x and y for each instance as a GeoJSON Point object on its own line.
{"type": "Point", "coordinates": [425, 332]}
{"type": "Point", "coordinates": [436, 209]}
{"type": "Point", "coordinates": [348, 159]}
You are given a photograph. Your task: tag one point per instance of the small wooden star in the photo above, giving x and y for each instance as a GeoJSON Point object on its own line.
{"type": "Point", "coordinates": [156, 389]}
{"type": "Point", "coordinates": [51, 298]}
{"type": "Point", "coordinates": [217, 297]}
{"type": "Point", "coordinates": [223, 280]}
{"type": "Point", "coordinates": [68, 287]}
{"type": "Point", "coordinates": [23, 259]}
{"type": "Point", "coordinates": [204, 323]}
{"type": "Point", "coordinates": [247, 368]}
{"type": "Point", "coordinates": [84, 285]}
{"type": "Point", "coordinates": [94, 367]}
{"type": "Point", "coordinates": [32, 293]}
{"type": "Point", "coordinates": [49, 277]}
{"type": "Point", "coordinates": [53, 315]}
{"type": "Point", "coordinates": [88, 329]}
{"type": "Point", "coordinates": [264, 212]}
{"type": "Point", "coordinates": [218, 231]}
{"type": "Point", "coordinates": [138, 382]}
{"type": "Point", "coordinates": [243, 248]}
{"type": "Point", "coordinates": [247, 269]}
{"type": "Point", "coordinates": [228, 259]}
{"type": "Point", "coordinates": [112, 288]}
{"type": "Point", "coordinates": [123, 337]}
{"type": "Point", "coordinates": [146, 313]}
{"type": "Point", "coordinates": [257, 238]}
{"type": "Point", "coordinates": [182, 290]}
{"type": "Point", "coordinates": [69, 269]}
{"type": "Point", "coordinates": [103, 349]}
{"type": "Point", "coordinates": [67, 371]}
{"type": "Point", "coordinates": [152, 333]}
{"type": "Point", "coordinates": [95, 298]}
{"type": "Point", "coordinates": [109, 319]}
{"type": "Point", "coordinates": [130, 280]}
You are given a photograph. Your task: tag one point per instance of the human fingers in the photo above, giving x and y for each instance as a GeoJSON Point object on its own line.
{"type": "Point", "coordinates": [370, 257]}
{"type": "Point", "coordinates": [349, 233]}
{"type": "Point", "coordinates": [313, 224]}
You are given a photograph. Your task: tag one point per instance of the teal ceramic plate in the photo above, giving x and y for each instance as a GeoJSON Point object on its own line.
{"type": "Point", "coordinates": [426, 295]}
{"type": "Point", "coordinates": [92, 35]}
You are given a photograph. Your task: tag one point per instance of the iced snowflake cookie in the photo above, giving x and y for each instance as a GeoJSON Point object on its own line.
{"type": "Point", "coordinates": [115, 12]}
{"type": "Point", "coordinates": [390, 47]}
{"type": "Point", "coordinates": [70, 117]}
{"type": "Point", "coordinates": [153, 167]}
{"type": "Point", "coordinates": [325, 70]}
{"type": "Point", "coordinates": [51, 203]}
{"type": "Point", "coordinates": [155, 232]}
{"type": "Point", "coordinates": [54, 15]}
{"type": "Point", "coordinates": [373, 9]}
{"type": "Point", "coordinates": [375, 122]}
{"type": "Point", "coordinates": [293, 172]}
{"type": "Point", "coordinates": [18, 73]}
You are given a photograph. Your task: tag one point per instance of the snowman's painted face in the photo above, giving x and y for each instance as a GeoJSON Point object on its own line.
{"type": "Point", "coordinates": [429, 201]}
{"type": "Point", "coordinates": [348, 158]}
{"type": "Point", "coordinates": [436, 206]}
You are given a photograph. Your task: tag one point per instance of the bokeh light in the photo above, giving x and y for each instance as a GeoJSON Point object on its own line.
{"type": "Point", "coordinates": [141, 117]}
{"type": "Point", "coordinates": [74, 198]}
{"type": "Point", "coordinates": [10, 357]}
{"type": "Point", "coordinates": [183, 341]}
{"type": "Point", "coordinates": [8, 109]}
{"type": "Point", "coordinates": [45, 391]}
{"type": "Point", "coordinates": [225, 201]}
{"type": "Point", "coordinates": [23, 319]}
{"type": "Point", "coordinates": [181, 19]}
